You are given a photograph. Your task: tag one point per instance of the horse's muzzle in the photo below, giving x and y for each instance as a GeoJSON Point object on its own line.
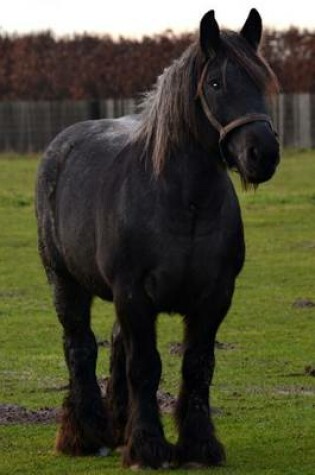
{"type": "Point", "coordinates": [254, 150]}
{"type": "Point", "coordinates": [260, 163]}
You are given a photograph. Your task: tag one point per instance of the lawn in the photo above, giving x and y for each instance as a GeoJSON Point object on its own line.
{"type": "Point", "coordinates": [264, 386]}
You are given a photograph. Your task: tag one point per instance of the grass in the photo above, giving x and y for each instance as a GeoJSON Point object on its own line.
{"type": "Point", "coordinates": [265, 397]}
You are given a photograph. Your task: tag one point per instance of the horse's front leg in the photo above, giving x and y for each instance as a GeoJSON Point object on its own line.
{"type": "Point", "coordinates": [197, 442]}
{"type": "Point", "coordinates": [145, 442]}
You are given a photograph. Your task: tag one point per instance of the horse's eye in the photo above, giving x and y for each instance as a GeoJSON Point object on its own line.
{"type": "Point", "coordinates": [215, 84]}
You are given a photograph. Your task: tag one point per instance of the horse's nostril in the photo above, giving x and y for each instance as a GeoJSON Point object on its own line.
{"type": "Point", "coordinates": [253, 154]}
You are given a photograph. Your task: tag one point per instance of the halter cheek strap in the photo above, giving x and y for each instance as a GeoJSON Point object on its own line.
{"type": "Point", "coordinates": [234, 124]}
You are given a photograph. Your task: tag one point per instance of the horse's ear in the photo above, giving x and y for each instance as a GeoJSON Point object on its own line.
{"type": "Point", "coordinates": [209, 34]}
{"type": "Point", "coordinates": [252, 29]}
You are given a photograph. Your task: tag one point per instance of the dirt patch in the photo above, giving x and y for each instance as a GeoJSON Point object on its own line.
{"type": "Point", "coordinates": [55, 389]}
{"type": "Point", "coordinates": [306, 244]}
{"type": "Point", "coordinates": [103, 343]}
{"type": "Point", "coordinates": [225, 346]}
{"type": "Point", "coordinates": [303, 303]}
{"type": "Point", "coordinates": [295, 391]}
{"type": "Point", "coordinates": [14, 414]}
{"type": "Point", "coordinates": [309, 370]}
{"type": "Point", "coordinates": [165, 399]}
{"type": "Point", "coordinates": [177, 349]}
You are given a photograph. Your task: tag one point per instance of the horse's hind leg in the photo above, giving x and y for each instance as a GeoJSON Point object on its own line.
{"type": "Point", "coordinates": [84, 423]}
{"type": "Point", "coordinates": [117, 391]}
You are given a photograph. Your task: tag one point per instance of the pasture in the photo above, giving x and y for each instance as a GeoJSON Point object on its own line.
{"type": "Point", "coordinates": [264, 384]}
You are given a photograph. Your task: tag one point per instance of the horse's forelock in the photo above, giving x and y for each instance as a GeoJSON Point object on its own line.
{"type": "Point", "coordinates": [251, 61]}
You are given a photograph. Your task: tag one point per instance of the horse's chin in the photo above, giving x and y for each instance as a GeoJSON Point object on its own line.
{"type": "Point", "coordinates": [251, 179]}
{"type": "Point", "coordinates": [254, 164]}
{"type": "Point", "coordinates": [246, 182]}
{"type": "Point", "coordinates": [248, 185]}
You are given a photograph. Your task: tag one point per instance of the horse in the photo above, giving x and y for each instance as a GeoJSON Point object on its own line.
{"type": "Point", "coordinates": [141, 211]}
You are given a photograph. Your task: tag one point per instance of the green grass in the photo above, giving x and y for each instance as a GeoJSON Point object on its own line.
{"type": "Point", "coordinates": [266, 401]}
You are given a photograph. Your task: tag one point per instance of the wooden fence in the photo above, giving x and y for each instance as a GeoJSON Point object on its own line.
{"type": "Point", "coordinates": [29, 126]}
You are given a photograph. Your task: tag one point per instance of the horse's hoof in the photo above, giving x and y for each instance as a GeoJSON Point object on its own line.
{"type": "Point", "coordinates": [194, 466]}
{"type": "Point", "coordinates": [103, 452]}
{"type": "Point", "coordinates": [202, 455]}
{"type": "Point", "coordinates": [136, 467]}
{"type": "Point", "coordinates": [145, 450]}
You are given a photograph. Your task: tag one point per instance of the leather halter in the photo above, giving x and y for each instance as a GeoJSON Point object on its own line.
{"type": "Point", "coordinates": [226, 129]}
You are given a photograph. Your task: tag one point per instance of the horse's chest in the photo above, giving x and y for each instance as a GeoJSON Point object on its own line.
{"type": "Point", "coordinates": [188, 266]}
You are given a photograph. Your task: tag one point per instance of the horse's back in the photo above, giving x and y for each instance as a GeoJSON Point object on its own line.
{"type": "Point", "coordinates": [87, 141]}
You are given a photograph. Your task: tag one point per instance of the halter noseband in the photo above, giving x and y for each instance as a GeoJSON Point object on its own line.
{"type": "Point", "coordinates": [226, 129]}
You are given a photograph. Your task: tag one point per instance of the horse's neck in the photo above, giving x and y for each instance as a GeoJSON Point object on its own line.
{"type": "Point", "coordinates": [197, 177]}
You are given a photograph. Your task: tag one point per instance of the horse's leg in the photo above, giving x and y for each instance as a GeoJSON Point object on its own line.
{"type": "Point", "coordinates": [117, 390]}
{"type": "Point", "coordinates": [145, 442]}
{"type": "Point", "coordinates": [197, 442]}
{"type": "Point", "coordinates": [84, 423]}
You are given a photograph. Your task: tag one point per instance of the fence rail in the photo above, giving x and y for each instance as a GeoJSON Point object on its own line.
{"type": "Point", "coordinates": [29, 126]}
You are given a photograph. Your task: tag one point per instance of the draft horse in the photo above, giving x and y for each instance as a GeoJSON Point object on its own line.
{"type": "Point", "coordinates": [141, 211]}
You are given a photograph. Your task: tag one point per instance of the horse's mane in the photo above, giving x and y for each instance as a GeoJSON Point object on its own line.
{"type": "Point", "coordinates": [168, 112]}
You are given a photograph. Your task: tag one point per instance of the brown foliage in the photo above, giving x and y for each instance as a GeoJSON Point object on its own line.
{"type": "Point", "coordinates": [34, 67]}
{"type": "Point", "coordinates": [291, 54]}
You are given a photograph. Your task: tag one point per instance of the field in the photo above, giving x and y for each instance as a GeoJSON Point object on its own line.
{"type": "Point", "coordinates": [264, 386]}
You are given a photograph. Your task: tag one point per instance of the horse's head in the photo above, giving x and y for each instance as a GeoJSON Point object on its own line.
{"type": "Point", "coordinates": [232, 89]}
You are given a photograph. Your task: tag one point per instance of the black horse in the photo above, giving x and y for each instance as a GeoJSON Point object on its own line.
{"type": "Point", "coordinates": [141, 211]}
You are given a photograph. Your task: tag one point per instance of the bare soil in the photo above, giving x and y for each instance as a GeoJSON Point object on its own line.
{"type": "Point", "coordinates": [303, 303]}
{"type": "Point", "coordinates": [15, 414]}
{"type": "Point", "coordinates": [177, 349]}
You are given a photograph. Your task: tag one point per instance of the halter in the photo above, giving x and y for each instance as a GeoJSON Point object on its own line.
{"type": "Point", "coordinates": [224, 130]}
